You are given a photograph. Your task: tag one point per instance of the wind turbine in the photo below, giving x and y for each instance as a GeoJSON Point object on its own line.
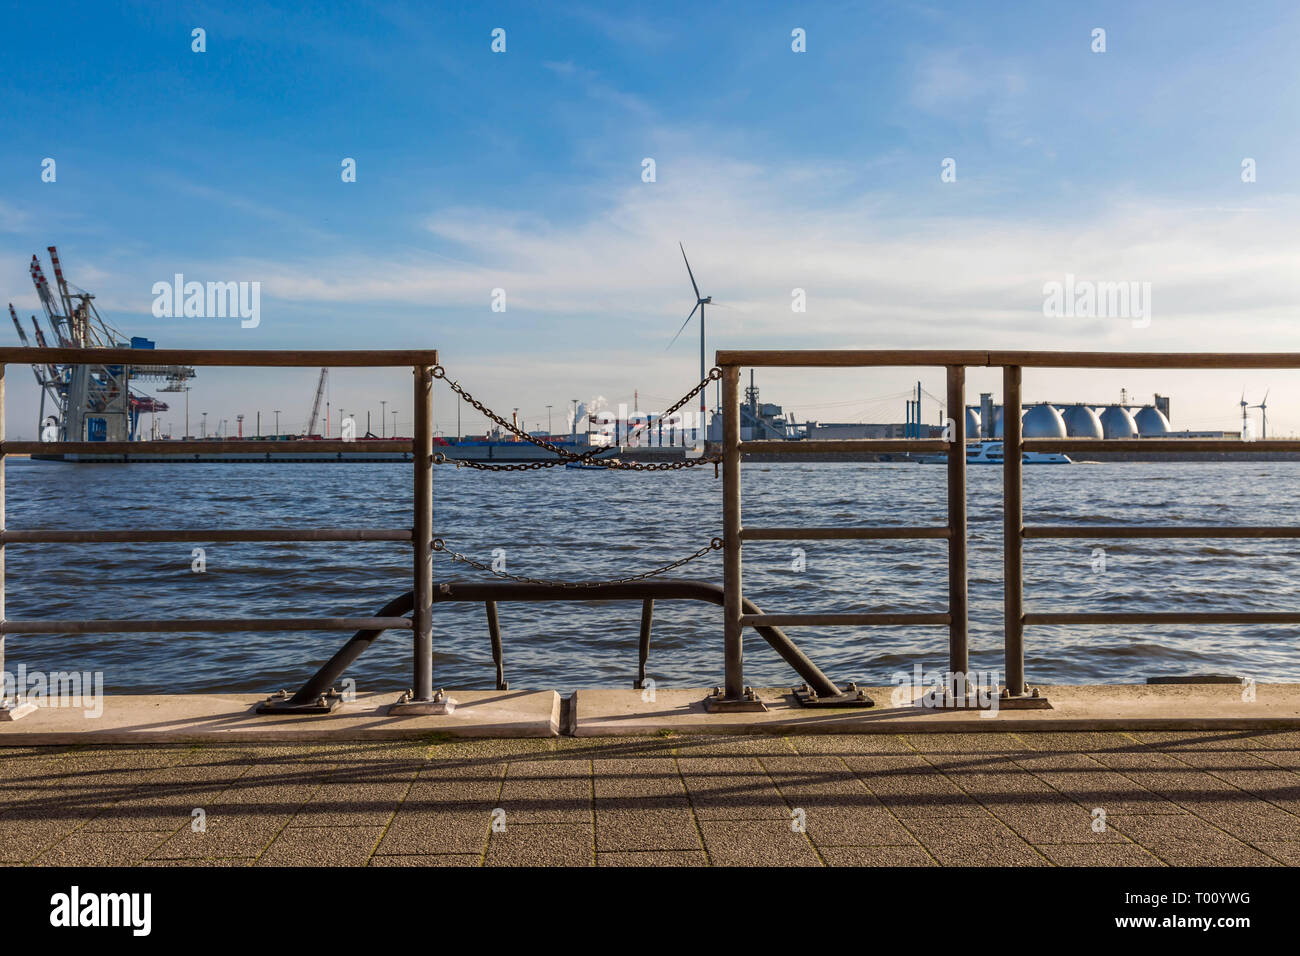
{"type": "Point", "coordinates": [1245, 426]}
{"type": "Point", "coordinates": [1263, 415]}
{"type": "Point", "coordinates": [700, 303]}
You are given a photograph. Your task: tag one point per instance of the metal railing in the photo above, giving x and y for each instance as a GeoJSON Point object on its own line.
{"type": "Point", "coordinates": [419, 536]}
{"type": "Point", "coordinates": [738, 613]}
{"type": "Point", "coordinates": [956, 616]}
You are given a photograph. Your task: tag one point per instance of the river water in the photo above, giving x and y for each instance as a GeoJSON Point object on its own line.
{"type": "Point", "coordinates": [571, 524]}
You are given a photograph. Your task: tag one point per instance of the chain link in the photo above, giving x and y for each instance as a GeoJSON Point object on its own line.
{"type": "Point", "coordinates": [715, 544]}
{"type": "Point", "coordinates": [564, 456]}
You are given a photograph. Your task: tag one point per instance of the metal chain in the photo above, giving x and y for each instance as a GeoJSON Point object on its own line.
{"type": "Point", "coordinates": [565, 456]}
{"type": "Point", "coordinates": [715, 544]}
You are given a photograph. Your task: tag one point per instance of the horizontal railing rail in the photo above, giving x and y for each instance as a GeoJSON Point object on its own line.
{"type": "Point", "coordinates": [221, 535]}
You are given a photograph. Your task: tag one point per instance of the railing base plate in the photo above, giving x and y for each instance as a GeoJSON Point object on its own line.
{"type": "Point", "coordinates": [440, 705]}
{"type": "Point", "coordinates": [851, 696]}
{"type": "Point", "coordinates": [276, 704]}
{"type": "Point", "coordinates": [747, 703]}
{"type": "Point", "coordinates": [15, 711]}
{"type": "Point", "coordinates": [1024, 703]}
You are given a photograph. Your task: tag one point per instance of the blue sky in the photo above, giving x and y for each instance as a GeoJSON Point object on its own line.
{"type": "Point", "coordinates": [779, 170]}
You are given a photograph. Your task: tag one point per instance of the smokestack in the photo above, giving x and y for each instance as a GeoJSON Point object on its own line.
{"type": "Point", "coordinates": [986, 415]}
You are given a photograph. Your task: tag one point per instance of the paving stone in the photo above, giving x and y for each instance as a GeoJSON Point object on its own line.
{"type": "Point", "coordinates": [909, 787]}
{"type": "Point", "coordinates": [637, 777]}
{"type": "Point", "coordinates": [1287, 853]}
{"type": "Point", "coordinates": [339, 804]}
{"type": "Point", "coordinates": [731, 789]}
{"type": "Point", "coordinates": [830, 826]}
{"type": "Point", "coordinates": [1099, 854]}
{"type": "Point", "coordinates": [914, 855]}
{"type": "Point", "coordinates": [964, 743]}
{"type": "Point", "coordinates": [316, 846]}
{"type": "Point", "coordinates": [654, 858]}
{"type": "Point", "coordinates": [542, 844]}
{"type": "Point", "coordinates": [91, 848]}
{"type": "Point", "coordinates": [850, 745]}
{"type": "Point", "coordinates": [756, 843]}
{"type": "Point", "coordinates": [548, 792]}
{"type": "Point", "coordinates": [1001, 854]}
{"type": "Point", "coordinates": [437, 832]}
{"type": "Point", "coordinates": [230, 833]}
{"type": "Point", "coordinates": [444, 859]}
{"type": "Point", "coordinates": [653, 828]}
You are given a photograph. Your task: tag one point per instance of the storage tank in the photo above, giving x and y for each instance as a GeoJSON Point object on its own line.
{"type": "Point", "coordinates": [997, 421]}
{"type": "Point", "coordinates": [1116, 422]}
{"type": "Point", "coordinates": [1042, 421]}
{"type": "Point", "coordinates": [1151, 422]}
{"type": "Point", "coordinates": [972, 423]}
{"type": "Point", "coordinates": [1081, 422]}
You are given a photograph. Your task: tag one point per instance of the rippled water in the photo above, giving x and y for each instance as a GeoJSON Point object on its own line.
{"type": "Point", "coordinates": [584, 524]}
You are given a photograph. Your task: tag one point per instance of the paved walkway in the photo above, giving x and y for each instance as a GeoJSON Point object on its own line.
{"type": "Point", "coordinates": [1187, 798]}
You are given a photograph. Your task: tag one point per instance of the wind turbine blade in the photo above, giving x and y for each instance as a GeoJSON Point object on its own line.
{"type": "Point", "coordinates": [683, 328]}
{"type": "Point", "coordinates": [1265, 399]}
{"type": "Point", "coordinates": [689, 272]}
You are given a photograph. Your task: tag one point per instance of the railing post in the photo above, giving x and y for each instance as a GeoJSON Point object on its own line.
{"type": "Point", "coordinates": [18, 707]}
{"type": "Point", "coordinates": [421, 699]}
{"type": "Point", "coordinates": [734, 693]}
{"type": "Point", "coordinates": [958, 598]}
{"type": "Point", "coordinates": [3, 701]}
{"type": "Point", "coordinates": [423, 455]}
{"type": "Point", "coordinates": [1013, 523]}
{"type": "Point", "coordinates": [643, 642]}
{"type": "Point", "coordinates": [494, 634]}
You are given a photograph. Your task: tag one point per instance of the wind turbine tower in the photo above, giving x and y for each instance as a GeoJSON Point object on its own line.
{"type": "Point", "coordinates": [700, 302]}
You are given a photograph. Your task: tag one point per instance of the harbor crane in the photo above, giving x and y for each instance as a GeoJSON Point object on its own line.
{"type": "Point", "coordinates": [315, 406]}
{"type": "Point", "coordinates": [94, 402]}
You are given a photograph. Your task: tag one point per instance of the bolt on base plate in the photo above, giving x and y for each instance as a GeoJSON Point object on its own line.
{"type": "Point", "coordinates": [851, 696]}
{"type": "Point", "coordinates": [280, 703]}
{"type": "Point", "coordinates": [1028, 701]}
{"type": "Point", "coordinates": [748, 702]}
{"type": "Point", "coordinates": [409, 706]}
{"type": "Point", "coordinates": [15, 710]}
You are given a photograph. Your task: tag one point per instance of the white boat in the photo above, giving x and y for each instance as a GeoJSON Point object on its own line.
{"type": "Point", "coordinates": [990, 453]}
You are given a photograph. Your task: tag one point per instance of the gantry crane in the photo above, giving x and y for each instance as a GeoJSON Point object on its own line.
{"type": "Point", "coordinates": [94, 402]}
{"type": "Point", "coordinates": [315, 406]}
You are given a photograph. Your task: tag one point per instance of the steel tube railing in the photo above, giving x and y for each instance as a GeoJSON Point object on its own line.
{"type": "Point", "coordinates": [833, 534]}
{"type": "Point", "coordinates": [955, 618]}
{"type": "Point", "coordinates": [888, 619]}
{"type": "Point", "coordinates": [207, 625]}
{"type": "Point", "coordinates": [420, 448]}
{"type": "Point", "coordinates": [1015, 532]}
{"type": "Point", "coordinates": [958, 597]}
{"type": "Point", "coordinates": [135, 536]}
{"type": "Point", "coordinates": [232, 446]}
{"type": "Point", "coordinates": [733, 629]}
{"type": "Point", "coordinates": [1180, 531]}
{"type": "Point", "coordinates": [1171, 445]}
{"type": "Point", "coordinates": [1164, 617]}
{"type": "Point", "coordinates": [422, 615]}
{"type": "Point", "coordinates": [842, 446]}
{"type": "Point", "coordinates": [1013, 521]}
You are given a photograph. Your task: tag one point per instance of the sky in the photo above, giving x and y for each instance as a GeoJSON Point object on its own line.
{"type": "Point", "coordinates": [822, 170]}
